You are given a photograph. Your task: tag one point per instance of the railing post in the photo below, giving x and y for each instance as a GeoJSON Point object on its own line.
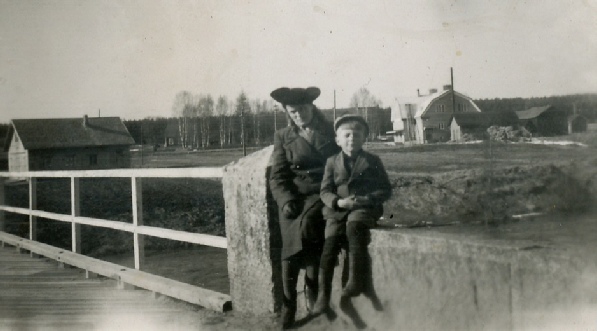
{"type": "Point", "coordinates": [2, 202]}
{"type": "Point", "coordinates": [75, 211]}
{"type": "Point", "coordinates": [32, 206]}
{"type": "Point", "coordinates": [138, 239]}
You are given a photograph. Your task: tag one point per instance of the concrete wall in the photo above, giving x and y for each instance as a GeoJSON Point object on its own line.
{"type": "Point", "coordinates": [426, 279]}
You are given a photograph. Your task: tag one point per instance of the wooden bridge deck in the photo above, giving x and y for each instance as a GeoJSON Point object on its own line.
{"type": "Point", "coordinates": [36, 294]}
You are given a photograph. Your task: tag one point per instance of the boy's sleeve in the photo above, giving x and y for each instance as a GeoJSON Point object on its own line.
{"type": "Point", "coordinates": [383, 186]}
{"type": "Point", "coordinates": [328, 187]}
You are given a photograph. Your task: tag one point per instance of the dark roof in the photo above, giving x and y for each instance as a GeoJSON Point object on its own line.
{"type": "Point", "coordinates": [573, 117]}
{"type": "Point", "coordinates": [472, 119]}
{"type": "Point", "coordinates": [531, 112]}
{"type": "Point", "coordinates": [72, 132]}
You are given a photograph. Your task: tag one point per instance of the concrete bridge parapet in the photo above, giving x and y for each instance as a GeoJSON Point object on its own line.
{"type": "Point", "coordinates": [426, 279]}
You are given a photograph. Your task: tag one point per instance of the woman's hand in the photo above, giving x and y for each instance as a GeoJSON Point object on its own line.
{"type": "Point", "coordinates": [291, 209]}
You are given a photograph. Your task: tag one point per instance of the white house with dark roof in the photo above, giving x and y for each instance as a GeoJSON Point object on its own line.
{"type": "Point", "coordinates": [68, 144]}
{"type": "Point", "coordinates": [427, 118]}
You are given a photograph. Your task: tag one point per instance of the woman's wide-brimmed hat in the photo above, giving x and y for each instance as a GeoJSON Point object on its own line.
{"type": "Point", "coordinates": [295, 96]}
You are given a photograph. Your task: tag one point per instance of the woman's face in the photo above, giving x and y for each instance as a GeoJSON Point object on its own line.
{"type": "Point", "coordinates": [301, 115]}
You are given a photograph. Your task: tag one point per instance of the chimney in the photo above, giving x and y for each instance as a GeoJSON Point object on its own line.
{"type": "Point", "coordinates": [418, 93]}
{"type": "Point", "coordinates": [432, 90]}
{"type": "Point", "coordinates": [85, 121]}
{"type": "Point", "coordinates": [447, 87]}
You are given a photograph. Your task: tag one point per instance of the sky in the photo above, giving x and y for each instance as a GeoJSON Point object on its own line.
{"type": "Point", "coordinates": [130, 58]}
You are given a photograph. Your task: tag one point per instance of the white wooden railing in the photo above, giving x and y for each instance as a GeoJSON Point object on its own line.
{"type": "Point", "coordinates": [136, 228]}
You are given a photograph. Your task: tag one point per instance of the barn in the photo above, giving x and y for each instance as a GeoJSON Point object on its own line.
{"type": "Point", "coordinates": [68, 144]}
{"type": "Point", "coordinates": [427, 118]}
{"type": "Point", "coordinates": [577, 123]}
{"type": "Point", "coordinates": [543, 121]}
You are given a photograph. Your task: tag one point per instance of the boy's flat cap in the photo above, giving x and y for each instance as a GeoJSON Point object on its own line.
{"type": "Point", "coordinates": [295, 96]}
{"type": "Point", "coordinates": [350, 118]}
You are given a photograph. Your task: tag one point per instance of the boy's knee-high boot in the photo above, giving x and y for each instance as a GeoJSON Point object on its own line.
{"type": "Point", "coordinates": [325, 290]}
{"type": "Point", "coordinates": [290, 273]}
{"type": "Point", "coordinates": [356, 267]}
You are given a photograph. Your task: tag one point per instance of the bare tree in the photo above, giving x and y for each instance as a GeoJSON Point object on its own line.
{"type": "Point", "coordinates": [242, 108]}
{"type": "Point", "coordinates": [221, 111]}
{"type": "Point", "coordinates": [183, 109]}
{"type": "Point", "coordinates": [205, 107]}
{"type": "Point", "coordinates": [257, 109]}
{"type": "Point", "coordinates": [364, 98]}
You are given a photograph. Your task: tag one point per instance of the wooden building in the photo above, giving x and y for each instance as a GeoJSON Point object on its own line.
{"type": "Point", "coordinates": [577, 123]}
{"type": "Point", "coordinates": [68, 144]}
{"type": "Point", "coordinates": [543, 121]}
{"type": "Point", "coordinates": [475, 125]}
{"type": "Point", "coordinates": [427, 118]}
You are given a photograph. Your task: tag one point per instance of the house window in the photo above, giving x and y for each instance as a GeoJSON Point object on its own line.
{"type": "Point", "coordinates": [460, 107]}
{"type": "Point", "coordinates": [93, 159]}
{"type": "Point", "coordinates": [69, 161]}
{"type": "Point", "coordinates": [441, 108]}
{"type": "Point", "coordinates": [442, 126]}
{"type": "Point", "coordinates": [16, 138]}
{"type": "Point", "coordinates": [47, 162]}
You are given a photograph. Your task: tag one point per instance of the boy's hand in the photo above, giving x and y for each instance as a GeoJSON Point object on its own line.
{"type": "Point", "coordinates": [363, 201]}
{"type": "Point", "coordinates": [348, 203]}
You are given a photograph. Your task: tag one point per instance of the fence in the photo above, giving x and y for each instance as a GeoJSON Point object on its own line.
{"type": "Point", "coordinates": [134, 277]}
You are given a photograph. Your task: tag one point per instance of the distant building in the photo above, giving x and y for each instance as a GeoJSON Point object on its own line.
{"type": "Point", "coordinates": [68, 144]}
{"type": "Point", "coordinates": [172, 133]}
{"type": "Point", "coordinates": [427, 118]}
{"type": "Point", "coordinates": [475, 125]}
{"type": "Point", "coordinates": [577, 123]}
{"type": "Point", "coordinates": [543, 121]}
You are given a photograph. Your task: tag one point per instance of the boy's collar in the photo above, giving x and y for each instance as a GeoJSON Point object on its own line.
{"type": "Point", "coordinates": [354, 156]}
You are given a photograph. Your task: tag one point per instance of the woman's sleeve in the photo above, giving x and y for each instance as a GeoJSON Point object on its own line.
{"type": "Point", "coordinates": [280, 179]}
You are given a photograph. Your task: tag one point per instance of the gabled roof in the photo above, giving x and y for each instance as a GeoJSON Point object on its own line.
{"type": "Point", "coordinates": [422, 103]}
{"type": "Point", "coordinates": [531, 112]}
{"type": "Point", "coordinates": [70, 132]}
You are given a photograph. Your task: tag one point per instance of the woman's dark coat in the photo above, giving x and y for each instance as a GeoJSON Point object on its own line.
{"type": "Point", "coordinates": [296, 174]}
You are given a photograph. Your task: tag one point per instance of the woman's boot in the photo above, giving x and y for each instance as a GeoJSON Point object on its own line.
{"type": "Point", "coordinates": [290, 273]}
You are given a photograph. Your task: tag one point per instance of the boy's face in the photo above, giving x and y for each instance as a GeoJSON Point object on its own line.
{"type": "Point", "coordinates": [350, 138]}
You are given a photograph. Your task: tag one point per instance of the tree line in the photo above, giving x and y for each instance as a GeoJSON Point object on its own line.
{"type": "Point", "coordinates": [200, 121]}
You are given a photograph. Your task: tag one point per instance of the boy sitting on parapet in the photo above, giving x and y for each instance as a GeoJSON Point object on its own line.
{"type": "Point", "coordinates": [354, 187]}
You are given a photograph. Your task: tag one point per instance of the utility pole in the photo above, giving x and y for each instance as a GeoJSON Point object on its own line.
{"type": "Point", "coordinates": [275, 117]}
{"type": "Point", "coordinates": [334, 105]}
{"type": "Point", "coordinates": [242, 129]}
{"type": "Point", "coordinates": [141, 143]}
{"type": "Point", "coordinates": [452, 85]}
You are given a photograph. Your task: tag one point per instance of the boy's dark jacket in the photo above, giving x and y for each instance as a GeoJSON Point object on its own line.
{"type": "Point", "coordinates": [367, 179]}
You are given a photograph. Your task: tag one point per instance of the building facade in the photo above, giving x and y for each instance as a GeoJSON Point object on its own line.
{"type": "Point", "coordinates": [68, 144]}
{"type": "Point", "coordinates": [427, 118]}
